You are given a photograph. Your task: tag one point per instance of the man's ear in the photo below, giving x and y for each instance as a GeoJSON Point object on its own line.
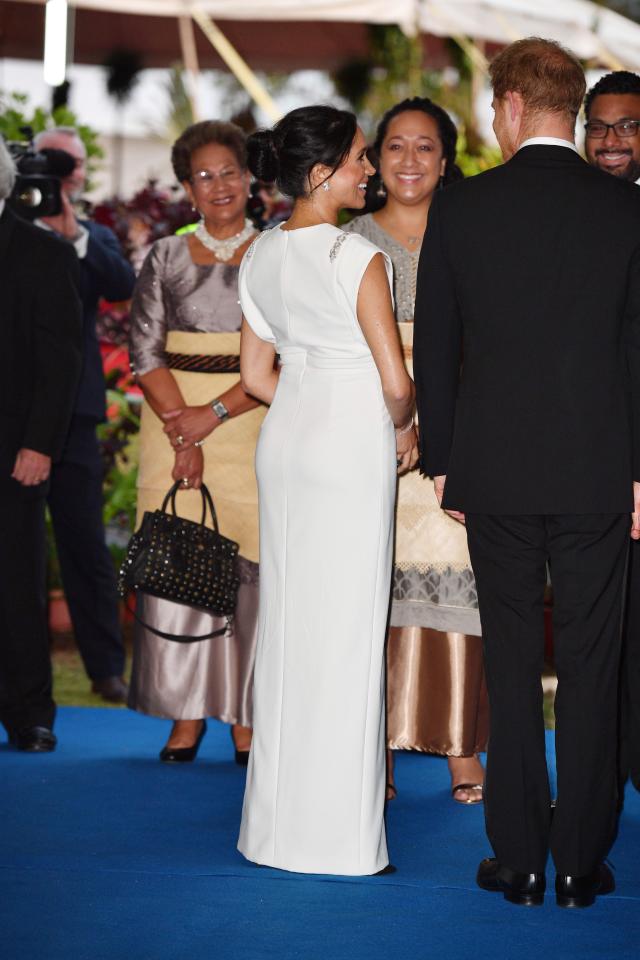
{"type": "Point", "coordinates": [516, 105]}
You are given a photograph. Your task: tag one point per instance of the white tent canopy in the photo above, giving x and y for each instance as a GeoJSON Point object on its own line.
{"type": "Point", "coordinates": [591, 31]}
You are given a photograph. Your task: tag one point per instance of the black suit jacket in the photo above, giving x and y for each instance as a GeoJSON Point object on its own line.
{"type": "Point", "coordinates": [104, 272]}
{"type": "Point", "coordinates": [40, 318]}
{"type": "Point", "coordinates": [527, 338]}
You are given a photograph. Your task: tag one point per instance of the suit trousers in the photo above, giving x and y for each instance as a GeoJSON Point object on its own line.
{"type": "Point", "coordinates": [88, 576]}
{"type": "Point", "coordinates": [25, 664]}
{"type": "Point", "coordinates": [587, 557]}
{"type": "Point", "coordinates": [630, 676]}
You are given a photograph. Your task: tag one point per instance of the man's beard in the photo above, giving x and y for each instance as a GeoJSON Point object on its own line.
{"type": "Point", "coordinates": [630, 171]}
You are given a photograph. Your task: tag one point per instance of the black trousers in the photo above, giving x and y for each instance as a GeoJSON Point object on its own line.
{"type": "Point", "coordinates": [75, 504]}
{"type": "Point", "coordinates": [587, 556]}
{"type": "Point", "coordinates": [630, 676]}
{"type": "Point", "coordinates": [25, 664]}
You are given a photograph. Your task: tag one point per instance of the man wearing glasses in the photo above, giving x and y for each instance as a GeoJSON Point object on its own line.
{"type": "Point", "coordinates": [612, 143]}
{"type": "Point", "coordinates": [612, 112]}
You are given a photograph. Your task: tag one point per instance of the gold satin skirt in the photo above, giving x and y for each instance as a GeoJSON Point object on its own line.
{"type": "Point", "coordinates": [436, 692]}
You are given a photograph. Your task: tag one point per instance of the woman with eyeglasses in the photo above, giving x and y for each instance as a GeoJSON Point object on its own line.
{"type": "Point", "coordinates": [198, 425]}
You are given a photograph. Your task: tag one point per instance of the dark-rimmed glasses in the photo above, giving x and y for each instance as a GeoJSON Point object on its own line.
{"type": "Point", "coordinates": [598, 129]}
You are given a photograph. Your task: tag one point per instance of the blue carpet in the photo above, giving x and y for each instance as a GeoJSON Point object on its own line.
{"type": "Point", "coordinates": [107, 853]}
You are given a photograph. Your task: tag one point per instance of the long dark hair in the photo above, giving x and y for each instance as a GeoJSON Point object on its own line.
{"type": "Point", "coordinates": [446, 131]}
{"type": "Point", "coordinates": [306, 136]}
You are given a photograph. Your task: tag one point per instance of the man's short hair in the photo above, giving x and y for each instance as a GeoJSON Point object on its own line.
{"type": "Point", "coordinates": [620, 82]}
{"type": "Point", "coordinates": [7, 171]}
{"type": "Point", "coordinates": [549, 77]}
{"type": "Point", "coordinates": [54, 131]}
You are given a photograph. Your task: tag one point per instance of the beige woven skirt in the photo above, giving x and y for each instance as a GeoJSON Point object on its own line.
{"type": "Point", "coordinates": [210, 678]}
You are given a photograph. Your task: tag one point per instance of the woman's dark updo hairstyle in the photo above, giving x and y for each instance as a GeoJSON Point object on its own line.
{"type": "Point", "coordinates": [446, 131]}
{"type": "Point", "coordinates": [201, 135]}
{"type": "Point", "coordinates": [306, 136]}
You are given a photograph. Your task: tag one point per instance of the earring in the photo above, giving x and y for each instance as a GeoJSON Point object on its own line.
{"type": "Point", "coordinates": [381, 191]}
{"type": "Point", "coordinates": [326, 185]}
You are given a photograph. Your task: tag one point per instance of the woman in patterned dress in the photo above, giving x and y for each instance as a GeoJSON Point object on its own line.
{"type": "Point", "coordinates": [436, 694]}
{"type": "Point", "coordinates": [198, 425]}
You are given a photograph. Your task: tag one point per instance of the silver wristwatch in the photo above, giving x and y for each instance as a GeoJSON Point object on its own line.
{"type": "Point", "coordinates": [219, 409]}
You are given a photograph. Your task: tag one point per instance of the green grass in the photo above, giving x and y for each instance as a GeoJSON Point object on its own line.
{"type": "Point", "coordinates": [71, 686]}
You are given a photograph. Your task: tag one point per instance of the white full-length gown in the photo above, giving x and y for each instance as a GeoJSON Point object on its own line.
{"type": "Point", "coordinates": [326, 468]}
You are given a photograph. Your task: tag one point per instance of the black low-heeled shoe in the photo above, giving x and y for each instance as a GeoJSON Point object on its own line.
{"type": "Point", "coordinates": [183, 754]}
{"type": "Point", "coordinates": [242, 757]}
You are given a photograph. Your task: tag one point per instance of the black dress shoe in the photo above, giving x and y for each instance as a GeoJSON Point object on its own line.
{"type": "Point", "coordinates": [34, 739]}
{"type": "Point", "coordinates": [525, 889]}
{"type": "Point", "coordinates": [582, 891]}
{"type": "Point", "coordinates": [113, 689]}
{"type": "Point", "coordinates": [183, 754]}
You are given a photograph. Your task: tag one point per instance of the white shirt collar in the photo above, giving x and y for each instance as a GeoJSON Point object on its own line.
{"type": "Point", "coordinates": [549, 142]}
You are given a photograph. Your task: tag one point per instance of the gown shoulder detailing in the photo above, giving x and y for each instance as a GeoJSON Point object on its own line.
{"type": "Point", "coordinates": [335, 249]}
{"type": "Point", "coordinates": [252, 246]}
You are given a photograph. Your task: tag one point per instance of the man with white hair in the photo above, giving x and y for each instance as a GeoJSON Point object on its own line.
{"type": "Point", "coordinates": [39, 370]}
{"type": "Point", "coordinates": [75, 496]}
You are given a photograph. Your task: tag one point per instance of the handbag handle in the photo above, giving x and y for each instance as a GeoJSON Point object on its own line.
{"type": "Point", "coordinates": [207, 501]}
{"type": "Point", "coordinates": [175, 636]}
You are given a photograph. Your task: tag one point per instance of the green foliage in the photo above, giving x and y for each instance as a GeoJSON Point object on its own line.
{"type": "Point", "coordinates": [483, 159]}
{"type": "Point", "coordinates": [16, 112]}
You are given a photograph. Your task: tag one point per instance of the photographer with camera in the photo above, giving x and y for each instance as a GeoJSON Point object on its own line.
{"type": "Point", "coordinates": [39, 372]}
{"type": "Point", "coordinates": [75, 495]}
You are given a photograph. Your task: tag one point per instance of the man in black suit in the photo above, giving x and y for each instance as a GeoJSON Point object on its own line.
{"type": "Point", "coordinates": [75, 496]}
{"type": "Point", "coordinates": [527, 363]}
{"type": "Point", "coordinates": [612, 143]}
{"type": "Point", "coordinates": [39, 371]}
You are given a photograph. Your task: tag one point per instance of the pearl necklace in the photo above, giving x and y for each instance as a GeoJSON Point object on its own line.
{"type": "Point", "coordinates": [224, 249]}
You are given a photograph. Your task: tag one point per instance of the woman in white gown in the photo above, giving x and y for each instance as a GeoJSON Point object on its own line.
{"type": "Point", "coordinates": [326, 463]}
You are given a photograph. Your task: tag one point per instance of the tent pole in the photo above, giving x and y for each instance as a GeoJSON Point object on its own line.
{"type": "Point", "coordinates": [241, 70]}
{"type": "Point", "coordinates": [190, 61]}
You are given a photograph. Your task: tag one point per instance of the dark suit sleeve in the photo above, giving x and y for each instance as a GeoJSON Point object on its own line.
{"type": "Point", "coordinates": [113, 275]}
{"type": "Point", "coordinates": [632, 316]}
{"type": "Point", "coordinates": [57, 356]}
{"type": "Point", "coordinates": [437, 343]}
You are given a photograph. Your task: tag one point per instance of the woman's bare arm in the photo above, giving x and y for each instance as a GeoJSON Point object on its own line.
{"type": "Point", "coordinates": [378, 323]}
{"type": "Point", "coordinates": [257, 372]}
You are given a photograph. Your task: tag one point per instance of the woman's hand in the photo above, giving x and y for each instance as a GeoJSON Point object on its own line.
{"type": "Point", "coordinates": [406, 449]}
{"type": "Point", "coordinates": [192, 424]}
{"type": "Point", "coordinates": [189, 467]}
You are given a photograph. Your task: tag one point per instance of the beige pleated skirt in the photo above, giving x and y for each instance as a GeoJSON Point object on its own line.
{"type": "Point", "coordinates": [436, 692]}
{"type": "Point", "coordinates": [214, 677]}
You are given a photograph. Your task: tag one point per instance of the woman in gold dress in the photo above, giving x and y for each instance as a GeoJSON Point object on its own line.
{"type": "Point", "coordinates": [436, 695]}
{"type": "Point", "coordinates": [198, 425]}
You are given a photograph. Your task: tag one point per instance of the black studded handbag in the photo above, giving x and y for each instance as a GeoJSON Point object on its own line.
{"type": "Point", "coordinates": [182, 561]}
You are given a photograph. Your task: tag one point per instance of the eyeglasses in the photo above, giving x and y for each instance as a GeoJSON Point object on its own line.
{"type": "Point", "coordinates": [207, 178]}
{"type": "Point", "coordinates": [597, 129]}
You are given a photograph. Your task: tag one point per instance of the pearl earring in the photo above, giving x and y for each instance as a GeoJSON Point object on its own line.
{"type": "Point", "coordinates": [325, 185]}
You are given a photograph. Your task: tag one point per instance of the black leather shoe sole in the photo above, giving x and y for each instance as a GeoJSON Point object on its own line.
{"type": "Point", "coordinates": [522, 889]}
{"type": "Point", "coordinates": [581, 892]}
{"type": "Point", "coordinates": [34, 740]}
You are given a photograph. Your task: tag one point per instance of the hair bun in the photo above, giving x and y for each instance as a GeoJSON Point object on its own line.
{"type": "Point", "coordinates": [262, 155]}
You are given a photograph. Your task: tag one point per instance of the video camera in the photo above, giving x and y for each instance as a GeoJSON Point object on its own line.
{"type": "Point", "coordinates": [37, 189]}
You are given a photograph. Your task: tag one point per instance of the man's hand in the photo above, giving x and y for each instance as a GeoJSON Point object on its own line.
{"type": "Point", "coordinates": [65, 222]}
{"type": "Point", "coordinates": [438, 486]}
{"type": "Point", "coordinates": [635, 516]}
{"type": "Point", "coordinates": [31, 468]}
